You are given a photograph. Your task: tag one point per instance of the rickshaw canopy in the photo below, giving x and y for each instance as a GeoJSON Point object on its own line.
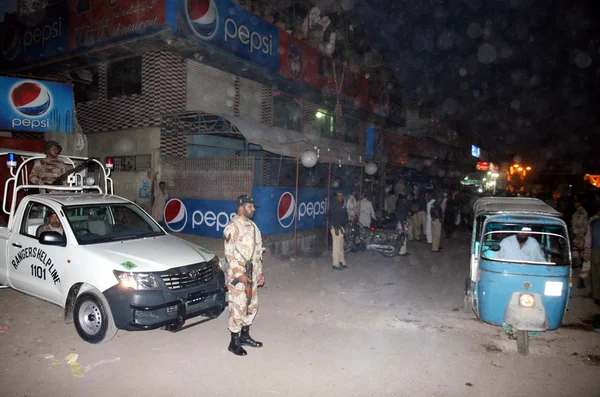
{"type": "Point", "coordinates": [512, 205]}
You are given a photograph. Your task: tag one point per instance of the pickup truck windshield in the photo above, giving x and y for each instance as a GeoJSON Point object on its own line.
{"type": "Point", "coordinates": [94, 224]}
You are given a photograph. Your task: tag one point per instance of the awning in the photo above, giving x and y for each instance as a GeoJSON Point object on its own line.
{"type": "Point", "coordinates": [285, 142]}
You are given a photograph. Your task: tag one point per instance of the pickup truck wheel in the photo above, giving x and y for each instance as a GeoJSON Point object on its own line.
{"type": "Point", "coordinates": [93, 318]}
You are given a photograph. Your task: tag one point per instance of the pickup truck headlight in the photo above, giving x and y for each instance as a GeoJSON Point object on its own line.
{"type": "Point", "coordinates": [216, 263]}
{"type": "Point", "coordinates": [139, 281]}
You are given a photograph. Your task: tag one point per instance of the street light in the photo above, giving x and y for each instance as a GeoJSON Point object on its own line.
{"type": "Point", "coordinates": [371, 169]}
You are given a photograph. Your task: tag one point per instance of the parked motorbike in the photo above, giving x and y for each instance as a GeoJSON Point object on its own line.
{"type": "Point", "coordinates": [386, 222]}
{"type": "Point", "coordinates": [385, 241]}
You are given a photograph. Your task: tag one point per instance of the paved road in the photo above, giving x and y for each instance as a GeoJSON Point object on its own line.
{"type": "Point", "coordinates": [386, 327]}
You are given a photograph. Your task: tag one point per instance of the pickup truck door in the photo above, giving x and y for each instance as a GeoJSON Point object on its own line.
{"type": "Point", "coordinates": [35, 268]}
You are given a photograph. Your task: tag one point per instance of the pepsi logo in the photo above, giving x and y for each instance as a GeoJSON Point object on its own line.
{"type": "Point", "coordinates": [9, 43]}
{"type": "Point", "coordinates": [175, 215]}
{"type": "Point", "coordinates": [30, 98]}
{"type": "Point", "coordinates": [286, 209]}
{"type": "Point", "coordinates": [202, 18]}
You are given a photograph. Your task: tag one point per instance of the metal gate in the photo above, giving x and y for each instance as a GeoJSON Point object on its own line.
{"type": "Point", "coordinates": [208, 178]}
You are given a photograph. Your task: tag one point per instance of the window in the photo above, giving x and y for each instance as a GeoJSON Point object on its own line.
{"type": "Point", "coordinates": [131, 163]}
{"type": "Point", "coordinates": [86, 92]}
{"type": "Point", "coordinates": [548, 244]}
{"type": "Point", "coordinates": [325, 124]}
{"type": "Point", "coordinates": [286, 112]}
{"type": "Point", "coordinates": [93, 224]}
{"type": "Point", "coordinates": [124, 77]}
{"type": "Point", "coordinates": [36, 216]}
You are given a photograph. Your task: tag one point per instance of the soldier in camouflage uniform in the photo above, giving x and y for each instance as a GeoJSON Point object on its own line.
{"type": "Point", "coordinates": [45, 171]}
{"type": "Point", "coordinates": [243, 251]}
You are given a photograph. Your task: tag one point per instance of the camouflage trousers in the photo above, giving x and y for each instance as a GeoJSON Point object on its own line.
{"type": "Point", "coordinates": [240, 314]}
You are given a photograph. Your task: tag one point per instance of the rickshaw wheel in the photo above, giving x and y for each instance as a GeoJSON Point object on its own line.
{"type": "Point", "coordinates": [523, 342]}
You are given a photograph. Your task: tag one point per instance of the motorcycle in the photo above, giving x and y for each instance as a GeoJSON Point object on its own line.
{"type": "Point", "coordinates": [385, 241]}
{"type": "Point", "coordinates": [386, 222]}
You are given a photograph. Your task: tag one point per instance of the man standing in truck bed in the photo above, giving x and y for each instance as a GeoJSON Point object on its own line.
{"type": "Point", "coordinates": [45, 171]}
{"type": "Point", "coordinates": [243, 274]}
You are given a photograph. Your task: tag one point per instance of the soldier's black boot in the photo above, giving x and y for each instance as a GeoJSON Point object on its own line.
{"type": "Point", "coordinates": [234, 346]}
{"type": "Point", "coordinates": [246, 339]}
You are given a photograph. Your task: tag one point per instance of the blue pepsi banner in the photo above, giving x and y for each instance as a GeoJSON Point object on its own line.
{"type": "Point", "coordinates": [232, 28]}
{"type": "Point", "coordinates": [275, 212]}
{"type": "Point", "coordinates": [34, 37]}
{"type": "Point", "coordinates": [35, 106]}
{"type": "Point", "coordinates": [200, 217]}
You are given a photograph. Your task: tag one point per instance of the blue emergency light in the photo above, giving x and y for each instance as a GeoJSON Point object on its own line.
{"type": "Point", "coordinates": [11, 160]}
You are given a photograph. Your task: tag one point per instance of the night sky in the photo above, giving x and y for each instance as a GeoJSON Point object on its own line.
{"type": "Point", "coordinates": [523, 74]}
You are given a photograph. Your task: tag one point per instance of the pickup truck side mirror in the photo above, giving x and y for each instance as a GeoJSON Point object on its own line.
{"type": "Point", "coordinates": [53, 238]}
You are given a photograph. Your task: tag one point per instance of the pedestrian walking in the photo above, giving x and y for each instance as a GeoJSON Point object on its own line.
{"type": "Point", "coordinates": [422, 219]}
{"type": "Point", "coordinates": [338, 220]}
{"type": "Point", "coordinates": [390, 203]}
{"type": "Point", "coordinates": [592, 254]}
{"type": "Point", "coordinates": [352, 207]}
{"type": "Point", "coordinates": [367, 212]}
{"type": "Point", "coordinates": [436, 224]}
{"type": "Point", "coordinates": [159, 201]}
{"type": "Point", "coordinates": [450, 216]}
{"type": "Point", "coordinates": [402, 211]}
{"type": "Point", "coordinates": [413, 219]}
{"type": "Point", "coordinates": [244, 274]}
{"type": "Point", "coordinates": [428, 231]}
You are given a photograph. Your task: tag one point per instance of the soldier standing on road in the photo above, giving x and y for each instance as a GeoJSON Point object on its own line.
{"type": "Point", "coordinates": [338, 219]}
{"type": "Point", "coordinates": [244, 274]}
{"type": "Point", "coordinates": [45, 171]}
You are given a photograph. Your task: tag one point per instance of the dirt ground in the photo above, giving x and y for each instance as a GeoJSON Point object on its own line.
{"type": "Point", "coordinates": [385, 327]}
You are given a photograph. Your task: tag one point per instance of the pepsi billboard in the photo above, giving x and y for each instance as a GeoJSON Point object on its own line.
{"type": "Point", "coordinates": [275, 213]}
{"type": "Point", "coordinates": [229, 26]}
{"type": "Point", "coordinates": [200, 217]}
{"type": "Point", "coordinates": [35, 106]}
{"type": "Point", "coordinates": [34, 37]}
{"type": "Point", "coordinates": [276, 209]}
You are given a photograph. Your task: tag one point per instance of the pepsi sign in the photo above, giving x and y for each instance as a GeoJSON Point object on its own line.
{"type": "Point", "coordinates": [34, 37]}
{"type": "Point", "coordinates": [276, 209]}
{"type": "Point", "coordinates": [200, 217]}
{"type": "Point", "coordinates": [230, 27]}
{"type": "Point", "coordinates": [38, 106]}
{"type": "Point", "coordinates": [275, 212]}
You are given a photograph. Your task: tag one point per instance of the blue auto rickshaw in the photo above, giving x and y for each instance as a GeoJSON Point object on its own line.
{"type": "Point", "coordinates": [523, 283]}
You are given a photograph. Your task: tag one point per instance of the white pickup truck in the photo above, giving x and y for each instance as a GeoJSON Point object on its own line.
{"type": "Point", "coordinates": [109, 265]}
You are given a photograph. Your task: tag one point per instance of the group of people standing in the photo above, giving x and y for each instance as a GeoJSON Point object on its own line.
{"type": "Point", "coordinates": [422, 216]}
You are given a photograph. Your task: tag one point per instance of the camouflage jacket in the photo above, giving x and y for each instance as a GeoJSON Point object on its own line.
{"type": "Point", "coordinates": [242, 238]}
{"type": "Point", "coordinates": [45, 171]}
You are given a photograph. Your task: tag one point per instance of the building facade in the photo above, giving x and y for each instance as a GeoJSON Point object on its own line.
{"type": "Point", "coordinates": [215, 102]}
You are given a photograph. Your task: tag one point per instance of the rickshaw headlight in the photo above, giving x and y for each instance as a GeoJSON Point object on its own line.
{"type": "Point", "coordinates": [526, 300]}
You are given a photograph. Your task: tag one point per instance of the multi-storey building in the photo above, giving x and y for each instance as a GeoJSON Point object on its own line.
{"type": "Point", "coordinates": [205, 95]}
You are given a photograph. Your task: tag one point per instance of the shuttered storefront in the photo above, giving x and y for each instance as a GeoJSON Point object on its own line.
{"type": "Point", "coordinates": [250, 99]}
{"type": "Point", "coordinates": [210, 90]}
